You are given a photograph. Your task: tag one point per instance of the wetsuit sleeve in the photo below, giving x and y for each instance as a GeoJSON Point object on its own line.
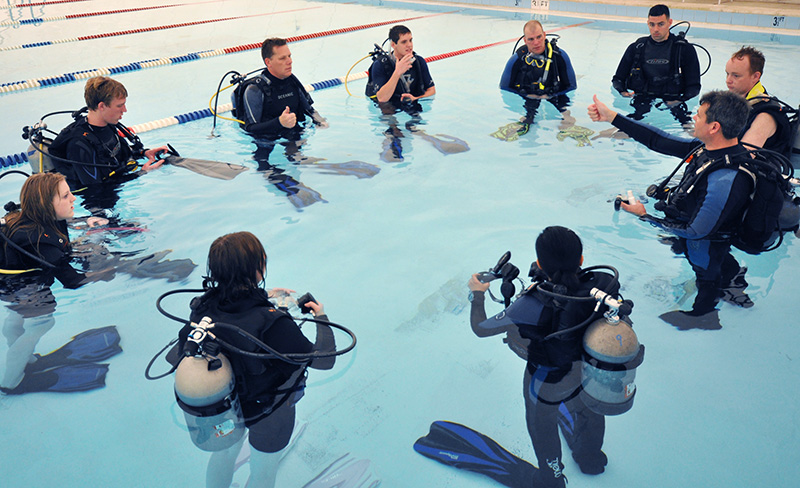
{"type": "Point", "coordinates": [427, 80]}
{"type": "Point", "coordinates": [477, 317]}
{"type": "Point", "coordinates": [253, 107]}
{"type": "Point", "coordinates": [325, 343]}
{"type": "Point", "coordinates": [619, 80]}
{"type": "Point", "coordinates": [508, 74]}
{"type": "Point", "coordinates": [691, 72]}
{"type": "Point", "coordinates": [656, 139]}
{"type": "Point", "coordinates": [566, 68]}
{"type": "Point", "coordinates": [379, 75]}
{"type": "Point", "coordinates": [725, 195]}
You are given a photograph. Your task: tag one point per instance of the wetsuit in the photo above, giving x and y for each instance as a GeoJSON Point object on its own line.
{"type": "Point", "coordinates": [704, 216]}
{"type": "Point", "coordinates": [415, 81]}
{"type": "Point", "coordinates": [761, 102]}
{"type": "Point", "coordinates": [553, 374]}
{"type": "Point", "coordinates": [268, 389]}
{"type": "Point", "coordinates": [29, 293]}
{"type": "Point", "coordinates": [106, 153]}
{"type": "Point", "coordinates": [550, 74]}
{"type": "Point", "coordinates": [267, 97]}
{"type": "Point", "coordinates": [668, 70]}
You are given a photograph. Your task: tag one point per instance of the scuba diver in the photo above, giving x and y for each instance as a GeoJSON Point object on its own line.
{"type": "Point", "coordinates": [36, 249]}
{"type": "Point", "coordinates": [768, 124]}
{"type": "Point", "coordinates": [397, 80]}
{"type": "Point", "coordinates": [95, 148]}
{"type": "Point", "coordinates": [537, 71]}
{"type": "Point", "coordinates": [273, 107]}
{"type": "Point", "coordinates": [728, 195]}
{"type": "Point", "coordinates": [660, 66]}
{"type": "Point", "coordinates": [547, 325]}
{"type": "Point", "coordinates": [267, 389]}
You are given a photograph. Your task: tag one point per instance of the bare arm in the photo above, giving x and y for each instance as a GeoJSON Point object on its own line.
{"type": "Point", "coordinates": [762, 128]}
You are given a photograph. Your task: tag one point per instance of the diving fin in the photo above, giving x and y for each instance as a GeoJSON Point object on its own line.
{"type": "Point", "coordinates": [63, 379]}
{"type": "Point", "coordinates": [214, 169]}
{"type": "Point", "coordinates": [359, 169]}
{"type": "Point", "coordinates": [461, 447]}
{"type": "Point", "coordinates": [688, 321]}
{"type": "Point", "coordinates": [91, 346]}
{"type": "Point", "coordinates": [346, 472]}
{"type": "Point", "coordinates": [511, 132]}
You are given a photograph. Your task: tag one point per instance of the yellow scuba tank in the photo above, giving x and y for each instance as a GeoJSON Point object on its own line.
{"type": "Point", "coordinates": [611, 355]}
{"type": "Point", "coordinates": [205, 391]}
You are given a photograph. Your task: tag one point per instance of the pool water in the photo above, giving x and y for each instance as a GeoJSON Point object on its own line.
{"type": "Point", "coordinates": [390, 254]}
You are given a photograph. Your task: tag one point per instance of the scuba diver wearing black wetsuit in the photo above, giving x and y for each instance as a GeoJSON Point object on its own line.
{"type": "Point", "coordinates": [659, 66]}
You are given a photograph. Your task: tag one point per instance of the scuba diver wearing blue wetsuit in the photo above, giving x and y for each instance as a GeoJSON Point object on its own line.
{"type": "Point", "coordinates": [538, 71]}
{"type": "Point", "coordinates": [706, 208]}
{"type": "Point", "coordinates": [541, 328]}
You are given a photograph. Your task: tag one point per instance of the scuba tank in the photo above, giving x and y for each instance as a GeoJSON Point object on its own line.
{"type": "Point", "coordinates": [611, 355]}
{"type": "Point", "coordinates": [205, 391]}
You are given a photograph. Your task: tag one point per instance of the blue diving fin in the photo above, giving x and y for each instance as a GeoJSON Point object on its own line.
{"type": "Point", "coordinates": [463, 448]}
{"type": "Point", "coordinates": [63, 379]}
{"type": "Point", "coordinates": [91, 346]}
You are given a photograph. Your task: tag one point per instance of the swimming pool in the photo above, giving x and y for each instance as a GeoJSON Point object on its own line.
{"type": "Point", "coordinates": [390, 255]}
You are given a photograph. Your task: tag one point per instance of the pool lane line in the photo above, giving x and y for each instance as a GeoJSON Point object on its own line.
{"type": "Point", "coordinates": [37, 4]}
{"type": "Point", "coordinates": [151, 63]}
{"type": "Point", "coordinates": [39, 20]}
{"type": "Point", "coordinates": [147, 29]}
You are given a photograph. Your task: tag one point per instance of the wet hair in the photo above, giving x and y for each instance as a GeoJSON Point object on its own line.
{"type": "Point", "coordinates": [269, 45]}
{"type": "Point", "coordinates": [36, 211]}
{"type": "Point", "coordinates": [397, 31]}
{"type": "Point", "coordinates": [530, 24]}
{"type": "Point", "coordinates": [234, 261]}
{"type": "Point", "coordinates": [728, 109]}
{"type": "Point", "coordinates": [559, 252]}
{"type": "Point", "coordinates": [658, 11]}
{"type": "Point", "coordinates": [102, 89]}
{"type": "Point", "coordinates": [754, 57]}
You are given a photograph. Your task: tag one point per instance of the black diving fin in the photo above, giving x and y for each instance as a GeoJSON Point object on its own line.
{"type": "Point", "coordinates": [62, 379]}
{"type": "Point", "coordinates": [463, 448]}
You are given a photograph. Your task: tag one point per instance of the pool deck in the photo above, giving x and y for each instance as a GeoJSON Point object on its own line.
{"type": "Point", "coordinates": [774, 16]}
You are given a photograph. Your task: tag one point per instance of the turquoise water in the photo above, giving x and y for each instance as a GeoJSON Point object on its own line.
{"type": "Point", "coordinates": [390, 255]}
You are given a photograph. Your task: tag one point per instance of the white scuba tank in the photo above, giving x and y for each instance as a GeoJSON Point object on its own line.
{"type": "Point", "coordinates": [205, 389]}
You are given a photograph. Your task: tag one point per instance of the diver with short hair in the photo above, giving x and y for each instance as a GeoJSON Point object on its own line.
{"type": "Point", "coordinates": [707, 207]}
{"type": "Point", "coordinates": [539, 70]}
{"type": "Point", "coordinates": [91, 150]}
{"type": "Point", "coordinates": [541, 328]}
{"type": "Point", "coordinates": [660, 66]}
{"type": "Point", "coordinates": [768, 125]}
{"type": "Point", "coordinates": [402, 76]}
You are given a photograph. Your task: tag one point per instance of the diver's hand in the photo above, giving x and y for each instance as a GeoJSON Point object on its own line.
{"type": "Point", "coordinates": [96, 221]}
{"type": "Point", "coordinates": [287, 118]}
{"type": "Point", "coordinates": [627, 94]}
{"type": "Point", "coordinates": [273, 292]}
{"type": "Point", "coordinates": [151, 155]}
{"type": "Point", "coordinates": [672, 103]}
{"type": "Point", "coordinates": [475, 284]}
{"type": "Point", "coordinates": [538, 97]}
{"type": "Point", "coordinates": [599, 112]}
{"type": "Point", "coordinates": [636, 208]}
{"type": "Point", "coordinates": [321, 121]}
{"type": "Point", "coordinates": [407, 97]}
{"type": "Point", "coordinates": [404, 64]}
{"type": "Point", "coordinates": [316, 308]}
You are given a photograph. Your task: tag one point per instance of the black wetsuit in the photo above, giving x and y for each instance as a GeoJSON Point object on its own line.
{"type": "Point", "coordinates": [704, 217]}
{"type": "Point", "coordinates": [416, 81]}
{"type": "Point", "coordinates": [29, 293]}
{"type": "Point", "coordinates": [268, 389]}
{"type": "Point", "coordinates": [267, 97]}
{"type": "Point", "coordinates": [553, 374]}
{"type": "Point", "coordinates": [781, 140]}
{"type": "Point", "coordinates": [668, 70]}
